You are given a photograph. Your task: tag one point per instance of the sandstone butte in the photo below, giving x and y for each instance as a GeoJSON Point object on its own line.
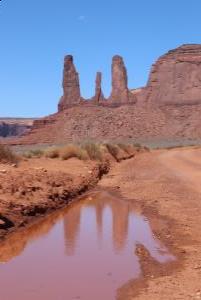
{"type": "Point", "coordinates": [167, 108]}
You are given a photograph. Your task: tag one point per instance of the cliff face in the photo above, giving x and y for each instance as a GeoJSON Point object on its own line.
{"type": "Point", "coordinates": [14, 127]}
{"type": "Point", "coordinates": [176, 77]}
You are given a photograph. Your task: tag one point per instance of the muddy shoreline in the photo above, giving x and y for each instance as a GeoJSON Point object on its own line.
{"type": "Point", "coordinates": [165, 229]}
{"type": "Point", "coordinates": [15, 215]}
{"type": "Point", "coordinates": [165, 185]}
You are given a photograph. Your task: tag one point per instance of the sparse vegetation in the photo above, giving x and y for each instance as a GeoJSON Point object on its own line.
{"type": "Point", "coordinates": [89, 150]}
{"type": "Point", "coordinates": [137, 145]}
{"type": "Point", "coordinates": [93, 150]}
{"type": "Point", "coordinates": [113, 150]}
{"type": "Point", "coordinates": [73, 151]}
{"type": "Point", "coordinates": [126, 147]}
{"type": "Point", "coordinates": [52, 152]}
{"type": "Point", "coordinates": [7, 155]}
{"type": "Point", "coordinates": [34, 153]}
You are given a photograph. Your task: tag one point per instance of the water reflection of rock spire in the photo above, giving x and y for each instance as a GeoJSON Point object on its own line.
{"type": "Point", "coordinates": [120, 219]}
{"type": "Point", "coordinates": [72, 228]}
{"type": "Point", "coordinates": [99, 217]}
{"type": "Point", "coordinates": [120, 212]}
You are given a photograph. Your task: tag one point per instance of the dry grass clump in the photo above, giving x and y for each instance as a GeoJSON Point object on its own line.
{"type": "Point", "coordinates": [70, 151]}
{"type": "Point", "coordinates": [126, 148]}
{"type": "Point", "coordinates": [93, 150]}
{"type": "Point", "coordinates": [34, 153]}
{"type": "Point", "coordinates": [7, 155]}
{"type": "Point", "coordinates": [137, 145]}
{"type": "Point", "coordinates": [88, 150]}
{"type": "Point", "coordinates": [146, 148]}
{"type": "Point", "coordinates": [113, 150]}
{"type": "Point", "coordinates": [52, 153]}
{"type": "Point", "coordinates": [140, 147]}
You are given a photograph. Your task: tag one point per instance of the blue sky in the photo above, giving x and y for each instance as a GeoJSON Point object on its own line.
{"type": "Point", "coordinates": [35, 36]}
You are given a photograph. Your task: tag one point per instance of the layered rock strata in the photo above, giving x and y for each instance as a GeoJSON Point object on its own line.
{"type": "Point", "coordinates": [176, 77]}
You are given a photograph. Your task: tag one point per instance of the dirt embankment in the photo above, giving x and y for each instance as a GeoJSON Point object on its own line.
{"type": "Point", "coordinates": [39, 186]}
{"type": "Point", "coordinates": [166, 185]}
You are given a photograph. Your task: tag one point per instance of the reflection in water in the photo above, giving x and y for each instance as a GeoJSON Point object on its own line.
{"type": "Point", "coordinates": [99, 233]}
{"type": "Point", "coordinates": [71, 228]}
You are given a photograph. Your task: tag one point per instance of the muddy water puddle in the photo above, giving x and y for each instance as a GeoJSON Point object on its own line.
{"type": "Point", "coordinates": [85, 252]}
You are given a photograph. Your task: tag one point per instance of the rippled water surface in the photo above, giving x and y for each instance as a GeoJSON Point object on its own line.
{"type": "Point", "coordinates": [85, 252]}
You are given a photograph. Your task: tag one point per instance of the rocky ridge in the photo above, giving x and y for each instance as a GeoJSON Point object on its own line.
{"type": "Point", "coordinates": [167, 108]}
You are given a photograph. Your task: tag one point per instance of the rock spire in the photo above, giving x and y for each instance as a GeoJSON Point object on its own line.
{"type": "Point", "coordinates": [98, 88]}
{"type": "Point", "coordinates": [71, 86]}
{"type": "Point", "coordinates": [120, 93]}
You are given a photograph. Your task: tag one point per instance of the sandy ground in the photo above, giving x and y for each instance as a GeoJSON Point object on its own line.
{"type": "Point", "coordinates": [167, 185]}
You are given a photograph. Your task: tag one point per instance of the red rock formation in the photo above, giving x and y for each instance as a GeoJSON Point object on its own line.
{"type": "Point", "coordinates": [120, 92]}
{"type": "Point", "coordinates": [176, 77]}
{"type": "Point", "coordinates": [71, 86]}
{"type": "Point", "coordinates": [98, 89]}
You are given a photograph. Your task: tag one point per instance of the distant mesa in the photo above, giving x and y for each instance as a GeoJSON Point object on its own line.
{"type": "Point", "coordinates": [10, 127]}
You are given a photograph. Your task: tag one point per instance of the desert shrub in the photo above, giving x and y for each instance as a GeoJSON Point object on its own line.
{"type": "Point", "coordinates": [34, 153]}
{"type": "Point", "coordinates": [93, 150]}
{"type": "Point", "coordinates": [125, 147]}
{"type": "Point", "coordinates": [137, 145]}
{"type": "Point", "coordinates": [73, 151]}
{"type": "Point", "coordinates": [27, 155]}
{"type": "Point", "coordinates": [146, 148]}
{"type": "Point", "coordinates": [7, 155]}
{"type": "Point", "coordinates": [140, 147]}
{"type": "Point", "coordinates": [52, 153]}
{"type": "Point", "coordinates": [113, 150]}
